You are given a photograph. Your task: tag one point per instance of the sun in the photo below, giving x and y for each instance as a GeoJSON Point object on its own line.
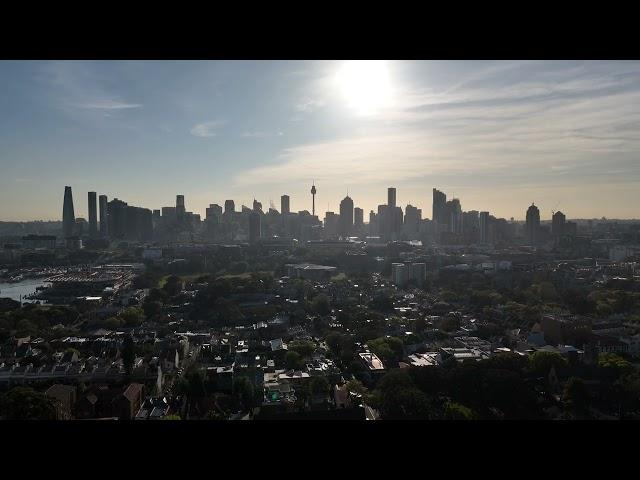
{"type": "Point", "coordinates": [365, 85]}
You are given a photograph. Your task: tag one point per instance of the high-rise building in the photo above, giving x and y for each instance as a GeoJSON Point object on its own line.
{"type": "Point", "coordinates": [346, 216]}
{"type": "Point", "coordinates": [104, 223]}
{"type": "Point", "coordinates": [255, 230]}
{"type": "Point", "coordinates": [532, 226]}
{"type": "Point", "coordinates": [229, 207]}
{"type": "Point", "coordinates": [68, 217]}
{"type": "Point", "coordinates": [412, 219]}
{"type": "Point", "coordinates": [418, 273]}
{"type": "Point", "coordinates": [358, 217]}
{"type": "Point", "coordinates": [93, 215]}
{"type": "Point", "coordinates": [558, 222]}
{"type": "Point", "coordinates": [284, 205]}
{"type": "Point", "coordinates": [484, 227]}
{"type": "Point", "coordinates": [257, 206]}
{"type": "Point", "coordinates": [391, 197]}
{"type": "Point", "coordinates": [399, 274]}
{"type": "Point", "coordinates": [180, 208]}
{"type": "Point", "coordinates": [438, 215]}
{"type": "Point", "coordinates": [454, 210]}
{"type": "Point", "coordinates": [331, 223]}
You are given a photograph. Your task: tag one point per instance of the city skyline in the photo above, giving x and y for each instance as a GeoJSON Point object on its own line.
{"type": "Point", "coordinates": [498, 135]}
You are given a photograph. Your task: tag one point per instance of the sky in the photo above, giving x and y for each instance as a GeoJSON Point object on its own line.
{"type": "Point", "coordinates": [498, 135]}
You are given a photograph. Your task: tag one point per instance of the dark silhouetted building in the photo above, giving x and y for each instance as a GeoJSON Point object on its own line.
{"type": "Point", "coordinates": [180, 208]}
{"type": "Point", "coordinates": [284, 205]}
{"type": "Point", "coordinates": [358, 217]}
{"type": "Point", "coordinates": [229, 207]}
{"type": "Point", "coordinates": [104, 224]}
{"type": "Point", "coordinates": [68, 217]}
{"type": "Point", "coordinates": [391, 197]}
{"type": "Point", "coordinates": [93, 215]}
{"type": "Point", "coordinates": [255, 230]}
{"type": "Point", "coordinates": [346, 216]}
{"type": "Point", "coordinates": [558, 222]}
{"type": "Point", "coordinates": [532, 225]}
{"type": "Point", "coordinates": [484, 228]}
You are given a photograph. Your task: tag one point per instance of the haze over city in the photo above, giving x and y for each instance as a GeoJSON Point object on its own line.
{"type": "Point", "coordinates": [498, 135]}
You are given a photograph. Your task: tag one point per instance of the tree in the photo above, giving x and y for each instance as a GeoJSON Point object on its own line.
{"type": "Point", "coordinates": [320, 304]}
{"type": "Point", "coordinates": [457, 411]}
{"type": "Point", "coordinates": [128, 354]}
{"type": "Point", "coordinates": [293, 361]}
{"type": "Point", "coordinates": [172, 286]}
{"type": "Point", "coordinates": [23, 403]}
{"type": "Point", "coordinates": [304, 349]}
{"type": "Point", "coordinates": [541, 362]}
{"type": "Point", "coordinates": [132, 316]}
{"type": "Point", "coordinates": [356, 386]}
{"type": "Point", "coordinates": [576, 394]}
{"type": "Point", "coordinates": [243, 392]}
{"type": "Point", "coordinates": [319, 386]}
{"type": "Point", "coordinates": [151, 308]}
{"type": "Point", "coordinates": [615, 364]}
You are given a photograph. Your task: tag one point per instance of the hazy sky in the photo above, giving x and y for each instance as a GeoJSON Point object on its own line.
{"type": "Point", "coordinates": [496, 134]}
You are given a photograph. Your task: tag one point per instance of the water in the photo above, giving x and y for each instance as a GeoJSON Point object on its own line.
{"type": "Point", "coordinates": [24, 288]}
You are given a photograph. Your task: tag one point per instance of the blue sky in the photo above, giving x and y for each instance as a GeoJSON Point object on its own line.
{"type": "Point", "coordinates": [497, 134]}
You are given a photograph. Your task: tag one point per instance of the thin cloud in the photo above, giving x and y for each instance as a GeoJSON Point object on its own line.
{"type": "Point", "coordinates": [109, 105]}
{"type": "Point", "coordinates": [260, 134]}
{"type": "Point", "coordinates": [207, 129]}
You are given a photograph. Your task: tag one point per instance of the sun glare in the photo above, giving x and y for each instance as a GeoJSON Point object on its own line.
{"type": "Point", "coordinates": [365, 85]}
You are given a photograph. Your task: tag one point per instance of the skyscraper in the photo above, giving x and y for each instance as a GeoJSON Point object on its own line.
{"type": "Point", "coordinates": [532, 227]}
{"type": "Point", "coordinates": [484, 227]}
{"type": "Point", "coordinates": [180, 208]}
{"type": "Point", "coordinates": [346, 216]}
{"type": "Point", "coordinates": [93, 215]}
{"type": "Point", "coordinates": [358, 217]}
{"type": "Point", "coordinates": [257, 206]}
{"type": "Point", "coordinates": [439, 212]}
{"type": "Point", "coordinates": [229, 206]}
{"type": "Point", "coordinates": [284, 205]}
{"type": "Point", "coordinates": [558, 222]}
{"type": "Point", "coordinates": [68, 217]}
{"type": "Point", "coordinates": [104, 223]}
{"type": "Point", "coordinates": [255, 230]}
{"type": "Point", "coordinates": [391, 197]}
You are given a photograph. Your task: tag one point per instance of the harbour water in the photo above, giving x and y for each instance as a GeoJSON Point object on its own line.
{"type": "Point", "coordinates": [24, 288]}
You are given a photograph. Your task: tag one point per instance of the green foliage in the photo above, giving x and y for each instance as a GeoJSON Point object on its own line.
{"type": "Point", "coordinates": [389, 350]}
{"type": "Point", "coordinates": [320, 304]}
{"type": "Point", "coordinates": [355, 386]}
{"type": "Point", "coordinates": [293, 361]}
{"type": "Point", "coordinates": [541, 362]}
{"type": "Point", "coordinates": [576, 394]}
{"type": "Point", "coordinates": [302, 348]}
{"type": "Point", "coordinates": [457, 411]}
{"type": "Point", "coordinates": [319, 386]}
{"type": "Point", "coordinates": [132, 316]}
{"type": "Point", "coordinates": [614, 363]}
{"type": "Point", "coordinates": [23, 403]}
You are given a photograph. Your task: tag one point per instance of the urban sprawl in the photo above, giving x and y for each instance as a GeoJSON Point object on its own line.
{"type": "Point", "coordinates": [139, 314]}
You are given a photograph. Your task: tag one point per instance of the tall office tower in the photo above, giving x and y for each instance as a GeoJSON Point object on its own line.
{"type": "Point", "coordinates": [168, 215]}
{"type": "Point", "coordinates": [331, 223]}
{"type": "Point", "coordinates": [346, 216]}
{"type": "Point", "coordinates": [229, 207]}
{"type": "Point", "coordinates": [254, 226]}
{"type": "Point", "coordinates": [484, 227]}
{"type": "Point", "coordinates": [418, 273]}
{"type": "Point", "coordinates": [399, 274]}
{"type": "Point", "coordinates": [284, 205]}
{"type": "Point", "coordinates": [93, 215]}
{"type": "Point", "coordinates": [455, 216]}
{"type": "Point", "coordinates": [81, 226]}
{"type": "Point", "coordinates": [117, 218]}
{"type": "Point", "coordinates": [412, 219]}
{"type": "Point", "coordinates": [257, 206]}
{"type": "Point", "coordinates": [373, 223]}
{"type": "Point", "coordinates": [358, 217]}
{"type": "Point", "coordinates": [532, 227]}
{"type": "Point", "coordinates": [558, 222]}
{"type": "Point", "coordinates": [180, 208]}
{"type": "Point", "coordinates": [68, 217]}
{"type": "Point", "coordinates": [213, 213]}
{"type": "Point", "coordinates": [104, 223]}
{"type": "Point", "coordinates": [313, 199]}
{"type": "Point", "coordinates": [438, 215]}
{"type": "Point", "coordinates": [391, 197]}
